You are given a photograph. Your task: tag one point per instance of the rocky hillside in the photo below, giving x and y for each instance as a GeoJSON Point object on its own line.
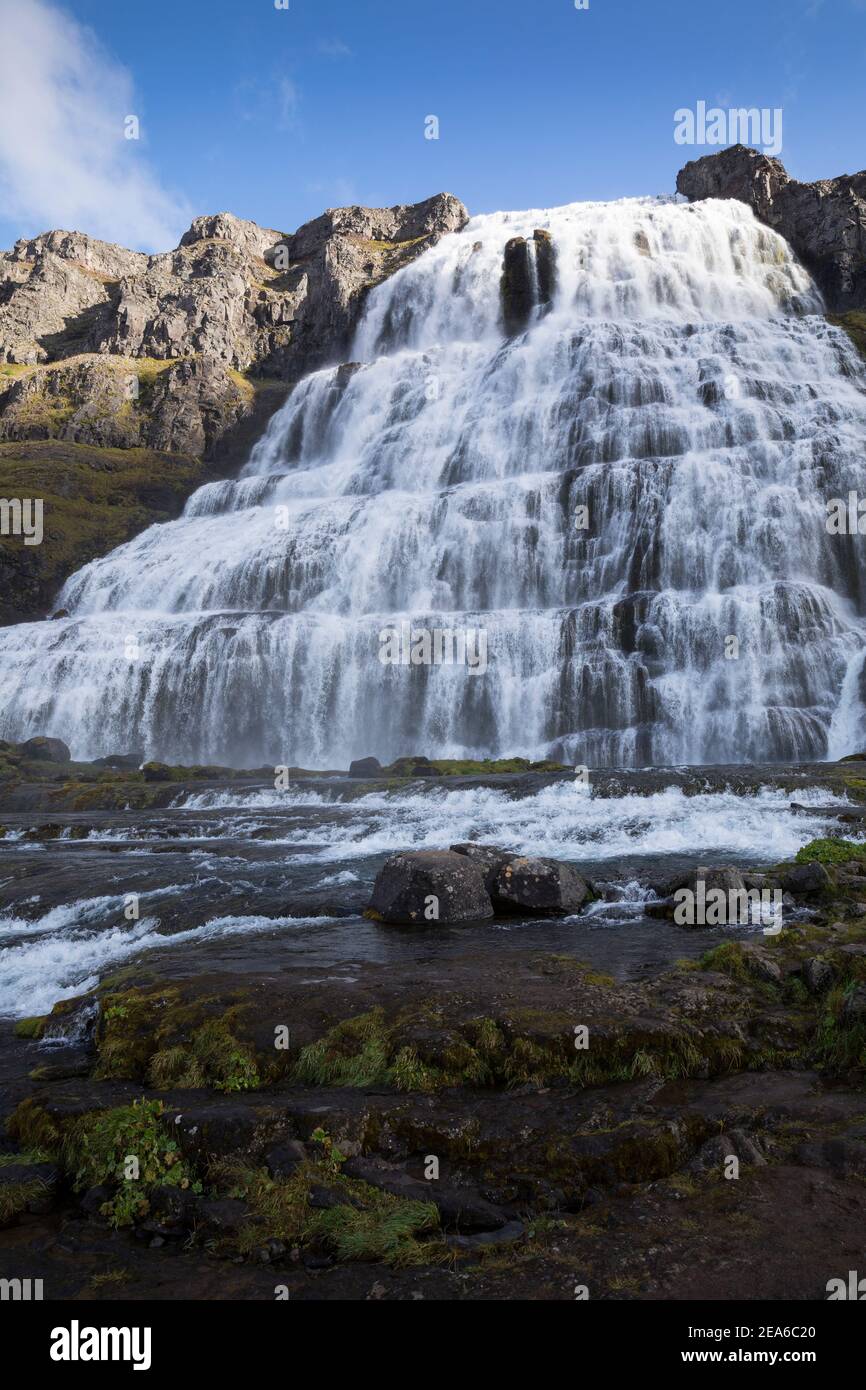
{"type": "Point", "coordinates": [153, 373]}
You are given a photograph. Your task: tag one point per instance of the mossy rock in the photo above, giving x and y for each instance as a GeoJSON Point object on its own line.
{"type": "Point", "coordinates": [159, 1037]}
{"type": "Point", "coordinates": [31, 1027]}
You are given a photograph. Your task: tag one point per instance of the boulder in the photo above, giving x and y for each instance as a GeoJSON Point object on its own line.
{"type": "Point", "coordinates": [120, 760]}
{"type": "Point", "coordinates": [733, 1144]}
{"type": "Point", "coordinates": [545, 264]}
{"type": "Point", "coordinates": [365, 767]}
{"type": "Point", "coordinates": [282, 1160]}
{"type": "Point", "coordinates": [537, 888]}
{"type": "Point", "coordinates": [805, 879]}
{"type": "Point", "coordinates": [818, 974]}
{"type": "Point", "coordinates": [724, 877]}
{"type": "Point", "coordinates": [45, 750]}
{"type": "Point", "coordinates": [429, 886]}
{"type": "Point", "coordinates": [489, 858]}
{"type": "Point", "coordinates": [157, 772]}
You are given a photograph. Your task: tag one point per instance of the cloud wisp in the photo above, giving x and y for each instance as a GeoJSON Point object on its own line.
{"type": "Point", "coordinates": [65, 159]}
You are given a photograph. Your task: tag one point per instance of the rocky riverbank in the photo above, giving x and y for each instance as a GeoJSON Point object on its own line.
{"type": "Point", "coordinates": [328, 1107]}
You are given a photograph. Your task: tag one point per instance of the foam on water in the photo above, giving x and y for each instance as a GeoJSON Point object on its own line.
{"type": "Point", "coordinates": [62, 960]}
{"type": "Point", "coordinates": [563, 819]}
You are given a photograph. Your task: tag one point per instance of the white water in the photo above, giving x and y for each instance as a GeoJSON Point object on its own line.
{"type": "Point", "coordinates": [64, 951]}
{"type": "Point", "coordinates": [684, 386]}
{"type": "Point", "coordinates": [60, 961]}
{"type": "Point", "coordinates": [562, 820]}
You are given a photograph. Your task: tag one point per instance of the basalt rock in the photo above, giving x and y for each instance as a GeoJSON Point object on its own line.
{"type": "Point", "coordinates": [488, 858]}
{"type": "Point", "coordinates": [825, 221]}
{"type": "Point", "coordinates": [517, 286]}
{"type": "Point", "coordinates": [45, 750]}
{"type": "Point", "coordinates": [510, 885]}
{"type": "Point", "coordinates": [537, 888]}
{"type": "Point", "coordinates": [365, 767]}
{"type": "Point", "coordinates": [429, 886]}
{"type": "Point", "coordinates": [545, 262]}
{"type": "Point", "coordinates": [806, 879]}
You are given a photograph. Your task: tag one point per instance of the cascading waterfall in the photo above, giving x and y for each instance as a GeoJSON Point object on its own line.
{"type": "Point", "coordinates": [610, 495]}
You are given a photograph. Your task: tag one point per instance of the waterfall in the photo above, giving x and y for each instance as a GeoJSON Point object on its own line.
{"type": "Point", "coordinates": [611, 496]}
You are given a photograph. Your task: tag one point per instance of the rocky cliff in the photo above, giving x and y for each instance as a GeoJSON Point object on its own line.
{"type": "Point", "coordinates": [825, 222]}
{"type": "Point", "coordinates": [152, 373]}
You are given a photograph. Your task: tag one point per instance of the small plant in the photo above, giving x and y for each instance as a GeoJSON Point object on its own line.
{"type": "Point", "coordinates": [332, 1158]}
{"type": "Point", "coordinates": [99, 1147]}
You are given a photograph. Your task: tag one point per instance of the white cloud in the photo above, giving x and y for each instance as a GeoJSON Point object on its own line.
{"type": "Point", "coordinates": [64, 160]}
{"type": "Point", "coordinates": [270, 100]}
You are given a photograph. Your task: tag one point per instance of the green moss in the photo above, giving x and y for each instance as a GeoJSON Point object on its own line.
{"type": "Point", "coordinates": [854, 324]}
{"type": "Point", "coordinates": [30, 1027]}
{"type": "Point", "coordinates": [831, 851]}
{"type": "Point", "coordinates": [154, 1035]}
{"type": "Point", "coordinates": [471, 767]}
{"type": "Point", "coordinates": [94, 500]}
{"type": "Point", "coordinates": [353, 1053]}
{"type": "Point", "coordinates": [361, 1223]}
{"type": "Point", "coordinates": [213, 1057]}
{"type": "Point", "coordinates": [728, 959]}
{"type": "Point", "coordinates": [33, 1128]}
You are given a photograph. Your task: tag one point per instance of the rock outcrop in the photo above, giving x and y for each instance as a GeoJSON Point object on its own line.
{"type": "Point", "coordinates": [184, 354]}
{"type": "Point", "coordinates": [261, 301]}
{"type": "Point", "coordinates": [473, 882]}
{"type": "Point", "coordinates": [825, 221]}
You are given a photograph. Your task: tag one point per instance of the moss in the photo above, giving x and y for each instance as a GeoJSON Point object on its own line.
{"type": "Point", "coordinates": [94, 500]}
{"type": "Point", "coordinates": [31, 1126]}
{"type": "Point", "coordinates": [417, 1052]}
{"type": "Point", "coordinates": [213, 1057]}
{"type": "Point", "coordinates": [30, 1027]}
{"type": "Point", "coordinates": [728, 959]}
{"type": "Point", "coordinates": [854, 324]}
{"type": "Point", "coordinates": [831, 852]}
{"type": "Point", "coordinates": [471, 767]}
{"type": "Point", "coordinates": [360, 1223]}
{"type": "Point", "coordinates": [154, 1035]}
{"type": "Point", "coordinates": [353, 1053]}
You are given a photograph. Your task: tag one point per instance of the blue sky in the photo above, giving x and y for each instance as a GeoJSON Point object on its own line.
{"type": "Point", "coordinates": [276, 114]}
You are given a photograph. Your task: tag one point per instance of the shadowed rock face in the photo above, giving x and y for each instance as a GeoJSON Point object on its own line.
{"type": "Point", "coordinates": [825, 221]}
